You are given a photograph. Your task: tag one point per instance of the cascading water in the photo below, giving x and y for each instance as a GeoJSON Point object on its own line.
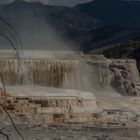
{"type": "Point", "coordinates": [51, 73]}
{"type": "Point", "coordinates": [55, 69]}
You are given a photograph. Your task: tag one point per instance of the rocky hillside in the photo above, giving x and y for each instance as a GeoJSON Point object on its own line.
{"type": "Point", "coordinates": [84, 26]}
{"type": "Point", "coordinates": [124, 13]}
{"type": "Point", "coordinates": [41, 26]}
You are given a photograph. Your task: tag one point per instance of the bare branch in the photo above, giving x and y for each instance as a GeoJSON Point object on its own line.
{"type": "Point", "coordinates": [3, 84]}
{"type": "Point", "coordinates": [7, 137]}
{"type": "Point", "coordinates": [11, 28]}
{"type": "Point", "coordinates": [5, 28]}
{"type": "Point", "coordinates": [14, 35]}
{"type": "Point", "coordinates": [12, 122]}
{"type": "Point", "coordinates": [13, 46]}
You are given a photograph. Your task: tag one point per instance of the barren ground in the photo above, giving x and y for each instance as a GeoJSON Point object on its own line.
{"type": "Point", "coordinates": [71, 132]}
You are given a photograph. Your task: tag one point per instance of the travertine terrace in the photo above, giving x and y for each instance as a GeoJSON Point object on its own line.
{"type": "Point", "coordinates": [64, 87]}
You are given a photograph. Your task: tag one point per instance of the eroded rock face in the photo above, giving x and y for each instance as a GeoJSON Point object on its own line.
{"type": "Point", "coordinates": [124, 76]}
{"type": "Point", "coordinates": [121, 74]}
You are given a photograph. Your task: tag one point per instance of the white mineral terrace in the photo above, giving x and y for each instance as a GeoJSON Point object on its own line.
{"type": "Point", "coordinates": [65, 71]}
{"type": "Point", "coordinates": [48, 92]}
{"type": "Point", "coordinates": [107, 101]}
{"type": "Point", "coordinates": [39, 54]}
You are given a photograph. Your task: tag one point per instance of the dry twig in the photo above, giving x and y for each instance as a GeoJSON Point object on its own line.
{"type": "Point", "coordinates": [9, 116]}
{"type": "Point", "coordinates": [4, 107]}
{"type": "Point", "coordinates": [3, 84]}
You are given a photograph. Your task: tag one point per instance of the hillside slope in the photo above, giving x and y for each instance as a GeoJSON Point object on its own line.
{"type": "Point", "coordinates": [119, 12]}
{"type": "Point", "coordinates": [64, 28]}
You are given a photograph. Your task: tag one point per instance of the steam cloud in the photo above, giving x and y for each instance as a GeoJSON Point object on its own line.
{"type": "Point", "coordinates": [33, 28]}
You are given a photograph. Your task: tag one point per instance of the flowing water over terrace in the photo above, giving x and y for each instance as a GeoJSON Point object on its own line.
{"type": "Point", "coordinates": [46, 68]}
{"type": "Point", "coordinates": [53, 73]}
